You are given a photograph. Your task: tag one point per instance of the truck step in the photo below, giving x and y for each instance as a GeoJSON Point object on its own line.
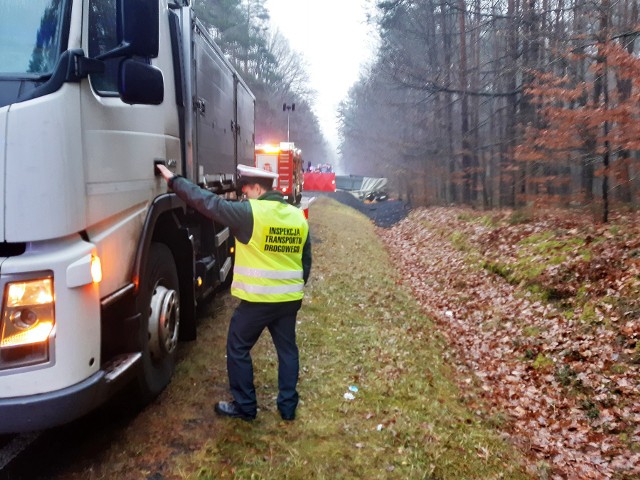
{"type": "Point", "coordinates": [224, 271]}
{"type": "Point", "coordinates": [120, 364]}
{"type": "Point", "coordinates": [205, 264]}
{"type": "Point", "coordinates": [222, 236]}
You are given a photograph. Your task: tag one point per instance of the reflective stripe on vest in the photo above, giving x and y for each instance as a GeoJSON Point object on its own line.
{"type": "Point", "coordinates": [269, 267]}
{"type": "Point", "coordinates": [259, 273]}
{"type": "Point", "coordinates": [272, 289]}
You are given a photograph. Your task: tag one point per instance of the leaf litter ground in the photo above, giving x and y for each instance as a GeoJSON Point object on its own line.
{"type": "Point", "coordinates": [544, 316]}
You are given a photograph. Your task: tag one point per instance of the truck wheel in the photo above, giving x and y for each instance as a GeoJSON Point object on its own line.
{"type": "Point", "coordinates": [159, 306]}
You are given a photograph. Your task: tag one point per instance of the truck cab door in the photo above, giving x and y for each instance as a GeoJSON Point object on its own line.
{"type": "Point", "coordinates": [121, 141]}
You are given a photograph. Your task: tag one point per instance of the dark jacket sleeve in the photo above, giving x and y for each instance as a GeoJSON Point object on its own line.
{"type": "Point", "coordinates": [235, 215]}
{"type": "Point", "coordinates": [238, 216]}
{"type": "Point", "coordinates": [306, 258]}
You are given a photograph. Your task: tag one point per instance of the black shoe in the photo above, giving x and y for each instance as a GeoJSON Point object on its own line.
{"type": "Point", "coordinates": [288, 416]}
{"type": "Point", "coordinates": [231, 409]}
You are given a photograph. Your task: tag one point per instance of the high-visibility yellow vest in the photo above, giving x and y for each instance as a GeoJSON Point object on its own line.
{"type": "Point", "coordinates": [269, 267]}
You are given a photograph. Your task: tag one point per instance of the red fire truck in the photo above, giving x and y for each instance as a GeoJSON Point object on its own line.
{"type": "Point", "coordinates": [286, 160]}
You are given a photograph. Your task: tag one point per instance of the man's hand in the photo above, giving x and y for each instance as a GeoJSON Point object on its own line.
{"type": "Point", "coordinates": [165, 172]}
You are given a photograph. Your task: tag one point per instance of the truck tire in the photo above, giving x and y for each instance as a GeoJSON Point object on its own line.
{"type": "Point", "coordinates": [159, 305]}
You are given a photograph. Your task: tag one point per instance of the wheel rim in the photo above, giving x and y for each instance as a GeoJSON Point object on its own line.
{"type": "Point", "coordinates": [164, 321]}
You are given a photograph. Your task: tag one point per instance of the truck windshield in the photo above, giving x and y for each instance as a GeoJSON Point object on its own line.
{"type": "Point", "coordinates": [31, 36]}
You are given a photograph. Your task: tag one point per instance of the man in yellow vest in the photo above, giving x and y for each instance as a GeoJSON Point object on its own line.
{"type": "Point", "coordinates": [272, 264]}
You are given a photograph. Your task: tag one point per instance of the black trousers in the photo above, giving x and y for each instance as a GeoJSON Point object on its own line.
{"type": "Point", "coordinates": [247, 323]}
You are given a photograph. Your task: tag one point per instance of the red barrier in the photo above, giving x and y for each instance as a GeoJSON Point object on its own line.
{"type": "Point", "coordinates": [319, 182]}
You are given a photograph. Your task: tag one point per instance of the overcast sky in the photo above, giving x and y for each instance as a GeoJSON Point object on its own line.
{"type": "Point", "coordinates": [336, 42]}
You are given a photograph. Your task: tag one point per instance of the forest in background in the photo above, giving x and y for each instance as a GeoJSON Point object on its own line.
{"type": "Point", "coordinates": [276, 73]}
{"type": "Point", "coordinates": [501, 103]}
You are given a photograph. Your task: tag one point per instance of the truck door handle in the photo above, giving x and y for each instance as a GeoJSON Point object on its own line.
{"type": "Point", "coordinates": [200, 106]}
{"type": "Point", "coordinates": [170, 164]}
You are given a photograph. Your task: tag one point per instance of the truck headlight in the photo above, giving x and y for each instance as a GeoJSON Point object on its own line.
{"type": "Point", "coordinates": [27, 322]}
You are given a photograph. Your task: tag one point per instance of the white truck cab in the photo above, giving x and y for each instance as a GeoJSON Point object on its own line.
{"type": "Point", "coordinates": [100, 267]}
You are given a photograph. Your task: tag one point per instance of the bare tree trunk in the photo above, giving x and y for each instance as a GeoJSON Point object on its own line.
{"type": "Point", "coordinates": [623, 162]}
{"type": "Point", "coordinates": [452, 196]}
{"type": "Point", "coordinates": [530, 46]}
{"type": "Point", "coordinates": [508, 170]}
{"type": "Point", "coordinates": [601, 89]}
{"type": "Point", "coordinates": [587, 170]}
{"type": "Point", "coordinates": [477, 152]}
{"type": "Point", "coordinates": [464, 105]}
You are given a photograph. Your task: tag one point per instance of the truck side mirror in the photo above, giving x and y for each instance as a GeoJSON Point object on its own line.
{"type": "Point", "coordinates": [137, 27]}
{"type": "Point", "coordinates": [140, 83]}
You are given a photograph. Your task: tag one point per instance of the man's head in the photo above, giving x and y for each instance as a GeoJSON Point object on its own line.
{"type": "Point", "coordinates": [253, 182]}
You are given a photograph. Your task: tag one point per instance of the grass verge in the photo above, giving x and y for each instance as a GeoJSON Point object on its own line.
{"type": "Point", "coordinates": [358, 328]}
